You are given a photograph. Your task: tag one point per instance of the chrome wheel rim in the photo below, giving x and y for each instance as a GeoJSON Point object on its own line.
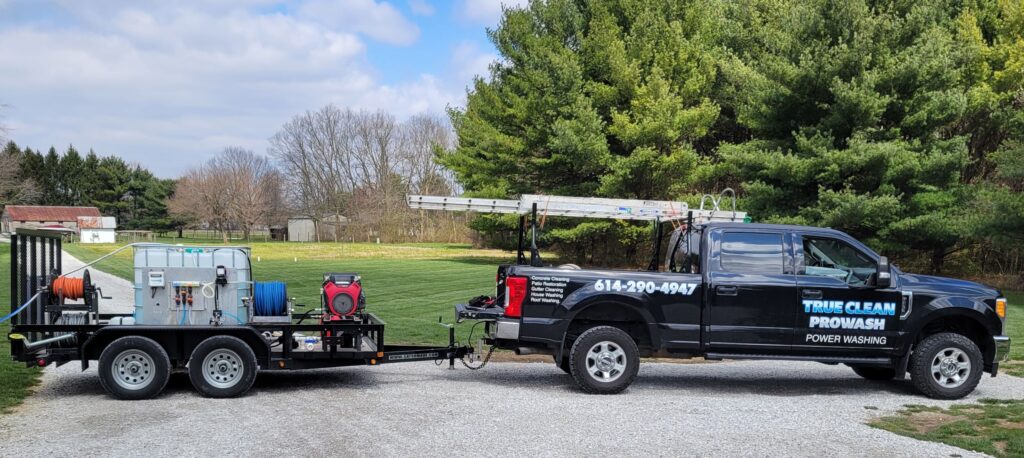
{"type": "Point", "coordinates": [951, 367]}
{"type": "Point", "coordinates": [133, 369]}
{"type": "Point", "coordinates": [606, 361]}
{"type": "Point", "coordinates": [222, 368]}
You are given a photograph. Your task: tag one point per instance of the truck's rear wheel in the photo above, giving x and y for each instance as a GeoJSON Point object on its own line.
{"type": "Point", "coordinates": [604, 360]}
{"type": "Point", "coordinates": [875, 373]}
{"type": "Point", "coordinates": [222, 367]}
{"type": "Point", "coordinates": [134, 367]}
{"type": "Point", "coordinates": [946, 366]}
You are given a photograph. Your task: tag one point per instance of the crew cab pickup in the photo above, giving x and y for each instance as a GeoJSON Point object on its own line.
{"type": "Point", "coordinates": [751, 291]}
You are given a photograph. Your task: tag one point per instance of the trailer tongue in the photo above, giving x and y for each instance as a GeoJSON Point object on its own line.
{"type": "Point", "coordinates": [196, 308]}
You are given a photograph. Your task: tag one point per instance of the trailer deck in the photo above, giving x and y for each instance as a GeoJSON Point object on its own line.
{"type": "Point", "coordinates": [43, 331]}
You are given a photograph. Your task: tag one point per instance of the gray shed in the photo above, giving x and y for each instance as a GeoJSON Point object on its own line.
{"type": "Point", "coordinates": [303, 229]}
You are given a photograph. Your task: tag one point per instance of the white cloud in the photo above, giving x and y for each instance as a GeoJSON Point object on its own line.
{"type": "Point", "coordinates": [378, 20]}
{"type": "Point", "coordinates": [170, 84]}
{"type": "Point", "coordinates": [468, 61]}
{"type": "Point", "coordinates": [420, 7]}
{"type": "Point", "coordinates": [487, 12]}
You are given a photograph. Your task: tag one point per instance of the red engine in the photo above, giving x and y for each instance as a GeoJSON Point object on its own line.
{"type": "Point", "coordinates": [343, 296]}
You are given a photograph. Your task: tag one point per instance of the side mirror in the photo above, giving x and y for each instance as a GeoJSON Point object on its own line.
{"type": "Point", "coordinates": [883, 276]}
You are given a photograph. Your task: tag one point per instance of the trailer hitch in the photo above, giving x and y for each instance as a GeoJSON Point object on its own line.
{"type": "Point", "coordinates": [452, 346]}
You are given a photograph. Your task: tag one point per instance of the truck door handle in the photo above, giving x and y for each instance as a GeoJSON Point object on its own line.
{"type": "Point", "coordinates": [812, 294]}
{"type": "Point", "coordinates": [726, 290]}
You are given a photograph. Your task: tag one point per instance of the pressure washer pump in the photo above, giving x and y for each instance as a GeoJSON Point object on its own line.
{"type": "Point", "coordinates": [342, 297]}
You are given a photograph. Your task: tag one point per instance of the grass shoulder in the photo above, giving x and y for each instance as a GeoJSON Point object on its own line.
{"type": "Point", "coordinates": [16, 380]}
{"type": "Point", "coordinates": [991, 426]}
{"type": "Point", "coordinates": [1015, 329]}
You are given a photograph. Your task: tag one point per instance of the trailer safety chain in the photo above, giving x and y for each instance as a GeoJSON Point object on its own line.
{"type": "Point", "coordinates": [482, 364]}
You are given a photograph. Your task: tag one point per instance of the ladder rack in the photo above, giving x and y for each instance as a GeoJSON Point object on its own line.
{"type": "Point", "coordinates": [583, 207]}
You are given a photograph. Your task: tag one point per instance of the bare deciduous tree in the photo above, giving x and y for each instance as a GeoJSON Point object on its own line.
{"type": "Point", "coordinates": [250, 180]}
{"type": "Point", "coordinates": [236, 188]}
{"type": "Point", "coordinates": [13, 188]}
{"type": "Point", "coordinates": [360, 165]}
{"type": "Point", "coordinates": [313, 150]}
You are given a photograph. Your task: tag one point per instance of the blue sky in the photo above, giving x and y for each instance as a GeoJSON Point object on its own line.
{"type": "Point", "coordinates": [170, 84]}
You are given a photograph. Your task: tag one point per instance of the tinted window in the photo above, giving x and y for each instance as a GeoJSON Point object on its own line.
{"type": "Point", "coordinates": [752, 253]}
{"type": "Point", "coordinates": [827, 257]}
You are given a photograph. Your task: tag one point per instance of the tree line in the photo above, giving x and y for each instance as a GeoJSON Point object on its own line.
{"type": "Point", "coordinates": [125, 191]}
{"type": "Point", "coordinates": [901, 123]}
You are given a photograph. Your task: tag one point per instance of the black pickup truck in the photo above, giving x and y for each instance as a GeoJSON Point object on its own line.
{"type": "Point", "coordinates": [750, 291]}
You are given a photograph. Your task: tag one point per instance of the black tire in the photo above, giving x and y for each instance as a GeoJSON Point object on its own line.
{"type": "Point", "coordinates": [620, 355]}
{"type": "Point", "coordinates": [875, 373]}
{"type": "Point", "coordinates": [134, 367]}
{"type": "Point", "coordinates": [932, 364]}
{"type": "Point", "coordinates": [564, 365]}
{"type": "Point", "coordinates": [222, 367]}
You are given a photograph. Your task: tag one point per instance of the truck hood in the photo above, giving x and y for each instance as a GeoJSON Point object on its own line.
{"type": "Point", "coordinates": [932, 284]}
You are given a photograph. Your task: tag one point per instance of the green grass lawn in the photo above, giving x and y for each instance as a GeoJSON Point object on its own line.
{"type": "Point", "coordinates": [15, 379]}
{"type": "Point", "coordinates": [995, 427]}
{"type": "Point", "coordinates": [408, 286]}
{"type": "Point", "coordinates": [1015, 329]}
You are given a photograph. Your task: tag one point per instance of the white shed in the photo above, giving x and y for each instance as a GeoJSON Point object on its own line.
{"type": "Point", "coordinates": [303, 228]}
{"type": "Point", "coordinates": [97, 229]}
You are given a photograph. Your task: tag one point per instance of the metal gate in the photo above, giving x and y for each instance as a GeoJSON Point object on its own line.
{"type": "Point", "coordinates": [35, 257]}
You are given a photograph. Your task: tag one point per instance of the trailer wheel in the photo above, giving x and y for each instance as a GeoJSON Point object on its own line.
{"type": "Point", "coordinates": [222, 367]}
{"type": "Point", "coordinates": [946, 366]}
{"type": "Point", "coordinates": [134, 367]}
{"type": "Point", "coordinates": [604, 360]}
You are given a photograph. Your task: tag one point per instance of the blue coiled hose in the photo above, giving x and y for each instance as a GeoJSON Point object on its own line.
{"type": "Point", "coordinates": [270, 298]}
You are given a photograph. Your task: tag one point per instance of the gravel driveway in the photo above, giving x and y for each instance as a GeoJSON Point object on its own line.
{"type": "Point", "coordinates": [753, 408]}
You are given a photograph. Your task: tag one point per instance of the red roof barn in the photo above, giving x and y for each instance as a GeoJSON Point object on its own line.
{"type": "Point", "coordinates": [16, 216]}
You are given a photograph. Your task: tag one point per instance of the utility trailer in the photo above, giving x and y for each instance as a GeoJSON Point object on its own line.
{"type": "Point", "coordinates": [223, 338]}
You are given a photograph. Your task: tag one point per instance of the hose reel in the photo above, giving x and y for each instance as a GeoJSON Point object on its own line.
{"type": "Point", "coordinates": [63, 289]}
{"type": "Point", "coordinates": [270, 298]}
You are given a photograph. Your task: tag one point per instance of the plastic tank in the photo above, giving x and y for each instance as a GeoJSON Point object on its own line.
{"type": "Point", "coordinates": [176, 285]}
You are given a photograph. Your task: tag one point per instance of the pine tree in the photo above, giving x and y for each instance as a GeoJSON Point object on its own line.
{"type": "Point", "coordinates": [899, 122]}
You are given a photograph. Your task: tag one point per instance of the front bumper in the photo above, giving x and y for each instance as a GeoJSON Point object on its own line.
{"type": "Point", "coordinates": [1002, 349]}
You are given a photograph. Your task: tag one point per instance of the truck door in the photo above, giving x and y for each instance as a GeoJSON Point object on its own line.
{"type": "Point", "coordinates": [751, 287]}
{"type": "Point", "coordinates": [839, 309]}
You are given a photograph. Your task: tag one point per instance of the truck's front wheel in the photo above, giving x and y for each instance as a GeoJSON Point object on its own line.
{"type": "Point", "coordinates": [946, 366]}
{"type": "Point", "coordinates": [604, 360]}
